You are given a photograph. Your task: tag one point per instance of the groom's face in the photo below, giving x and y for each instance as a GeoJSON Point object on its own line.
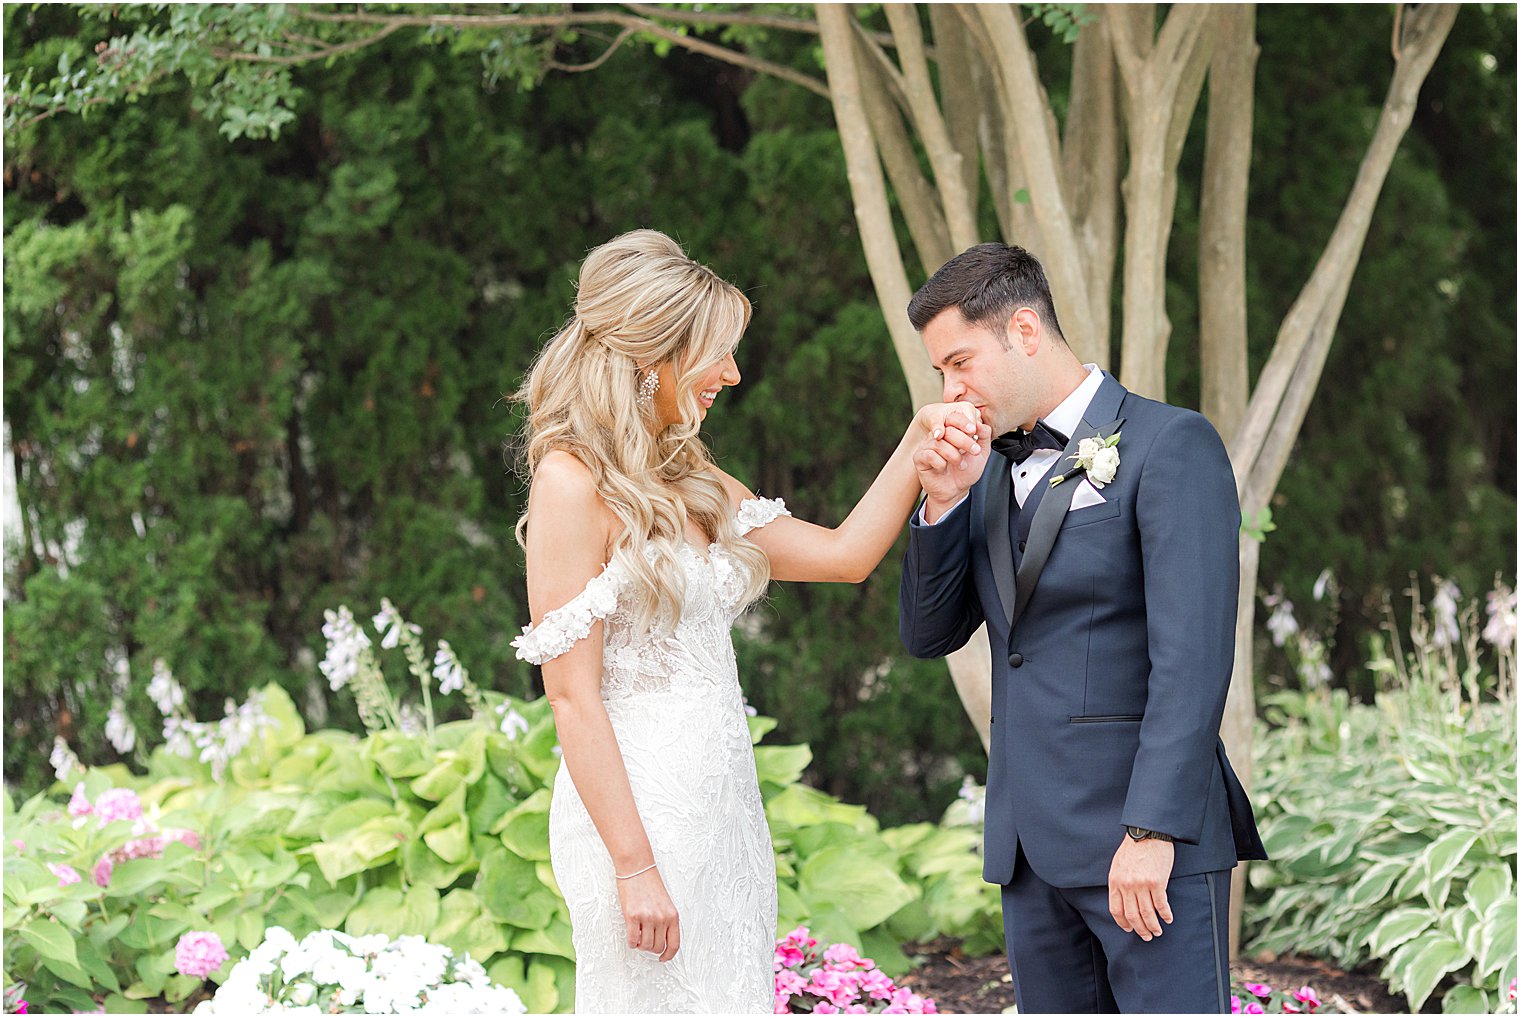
{"type": "Point", "coordinates": [979, 367]}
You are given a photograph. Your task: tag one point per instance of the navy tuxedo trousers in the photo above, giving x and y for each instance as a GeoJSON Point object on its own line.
{"type": "Point", "coordinates": [1070, 956]}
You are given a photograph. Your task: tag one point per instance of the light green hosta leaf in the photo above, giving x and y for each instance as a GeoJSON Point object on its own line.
{"type": "Point", "coordinates": [782, 764]}
{"type": "Point", "coordinates": [1429, 771]}
{"type": "Point", "coordinates": [1397, 927]}
{"type": "Point", "coordinates": [535, 986]}
{"type": "Point", "coordinates": [349, 817]}
{"type": "Point", "coordinates": [1284, 837]}
{"type": "Point", "coordinates": [419, 911]}
{"type": "Point", "coordinates": [553, 939]}
{"type": "Point", "coordinates": [455, 911]}
{"type": "Point", "coordinates": [510, 890]}
{"type": "Point", "coordinates": [399, 755]}
{"type": "Point", "coordinates": [52, 942]}
{"type": "Point", "coordinates": [1374, 884]}
{"type": "Point", "coordinates": [379, 911]}
{"type": "Point", "coordinates": [1441, 862]}
{"type": "Point", "coordinates": [1465, 925]}
{"type": "Point", "coordinates": [861, 887]}
{"type": "Point", "coordinates": [759, 727]}
{"type": "Point", "coordinates": [1493, 882]}
{"type": "Point", "coordinates": [445, 776]}
{"type": "Point", "coordinates": [525, 829]}
{"type": "Point", "coordinates": [1426, 961]}
{"type": "Point", "coordinates": [452, 843]}
{"type": "Point", "coordinates": [801, 806]}
{"type": "Point", "coordinates": [371, 845]}
{"type": "Point", "coordinates": [1498, 937]}
{"type": "Point", "coordinates": [546, 876]}
{"type": "Point", "coordinates": [1464, 999]}
{"type": "Point", "coordinates": [422, 865]}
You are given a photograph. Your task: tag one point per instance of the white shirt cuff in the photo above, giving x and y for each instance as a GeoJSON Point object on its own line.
{"type": "Point", "coordinates": [922, 521]}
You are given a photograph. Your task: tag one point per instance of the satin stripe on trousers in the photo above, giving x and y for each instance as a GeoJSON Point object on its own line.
{"type": "Point", "coordinates": [1069, 956]}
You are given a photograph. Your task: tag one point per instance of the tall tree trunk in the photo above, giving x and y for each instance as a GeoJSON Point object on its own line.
{"type": "Point", "coordinates": [1222, 219]}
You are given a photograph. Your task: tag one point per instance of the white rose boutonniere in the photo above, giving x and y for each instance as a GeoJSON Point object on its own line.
{"type": "Point", "coordinates": [1096, 457]}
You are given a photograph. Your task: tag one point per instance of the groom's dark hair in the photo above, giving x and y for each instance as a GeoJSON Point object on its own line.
{"type": "Point", "coordinates": [987, 283]}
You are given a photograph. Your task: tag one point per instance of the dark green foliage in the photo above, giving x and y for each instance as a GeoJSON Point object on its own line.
{"type": "Point", "coordinates": [268, 376]}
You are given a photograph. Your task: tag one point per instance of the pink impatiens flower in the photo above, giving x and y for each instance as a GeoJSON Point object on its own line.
{"type": "Point", "coordinates": [1234, 1004]}
{"type": "Point", "coordinates": [199, 954]}
{"type": "Point", "coordinates": [1258, 989]}
{"type": "Point", "coordinates": [1253, 1008]}
{"type": "Point", "coordinates": [876, 985]}
{"type": "Point", "coordinates": [1307, 997]}
{"type": "Point", "coordinates": [118, 803]}
{"type": "Point", "coordinates": [825, 1008]}
{"type": "Point", "coordinates": [67, 875]}
{"type": "Point", "coordinates": [844, 956]}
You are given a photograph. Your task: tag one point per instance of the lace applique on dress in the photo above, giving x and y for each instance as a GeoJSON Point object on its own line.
{"type": "Point", "coordinates": [756, 512]}
{"type": "Point", "coordinates": [565, 626]}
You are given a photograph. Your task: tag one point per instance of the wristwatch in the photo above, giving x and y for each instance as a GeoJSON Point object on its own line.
{"type": "Point", "coordinates": [1141, 833]}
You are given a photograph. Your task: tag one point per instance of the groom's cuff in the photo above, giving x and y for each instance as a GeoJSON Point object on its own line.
{"type": "Point", "coordinates": [920, 520]}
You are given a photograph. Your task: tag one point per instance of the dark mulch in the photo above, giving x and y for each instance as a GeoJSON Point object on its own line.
{"type": "Point", "coordinates": [961, 984]}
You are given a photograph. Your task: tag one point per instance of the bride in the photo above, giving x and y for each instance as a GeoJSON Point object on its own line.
{"type": "Point", "coordinates": [640, 554]}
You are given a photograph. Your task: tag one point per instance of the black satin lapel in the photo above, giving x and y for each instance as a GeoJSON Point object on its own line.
{"type": "Point", "coordinates": [999, 549]}
{"type": "Point", "coordinates": [1054, 501]}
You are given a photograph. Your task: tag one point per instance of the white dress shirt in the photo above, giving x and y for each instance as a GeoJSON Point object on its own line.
{"type": "Point", "coordinates": [1066, 418]}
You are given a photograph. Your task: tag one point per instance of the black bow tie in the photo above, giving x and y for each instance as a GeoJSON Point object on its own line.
{"type": "Point", "coordinates": [1019, 445]}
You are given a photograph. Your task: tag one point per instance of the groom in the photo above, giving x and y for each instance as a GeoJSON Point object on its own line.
{"type": "Point", "coordinates": [1098, 541]}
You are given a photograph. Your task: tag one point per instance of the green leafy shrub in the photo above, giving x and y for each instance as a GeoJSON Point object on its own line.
{"type": "Point", "coordinates": [1392, 826]}
{"type": "Point", "coordinates": [417, 828]}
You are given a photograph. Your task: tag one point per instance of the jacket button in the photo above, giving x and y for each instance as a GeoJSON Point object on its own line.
{"type": "Point", "coordinates": [1016, 660]}
{"type": "Point", "coordinates": [1021, 545]}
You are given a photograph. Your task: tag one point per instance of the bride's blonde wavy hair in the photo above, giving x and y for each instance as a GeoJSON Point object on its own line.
{"type": "Point", "coordinates": [641, 302]}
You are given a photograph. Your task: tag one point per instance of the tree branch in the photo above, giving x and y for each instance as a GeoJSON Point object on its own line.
{"type": "Point", "coordinates": [1258, 467]}
{"type": "Point", "coordinates": [612, 48]}
{"type": "Point", "coordinates": [751, 20]}
{"type": "Point", "coordinates": [943, 157]}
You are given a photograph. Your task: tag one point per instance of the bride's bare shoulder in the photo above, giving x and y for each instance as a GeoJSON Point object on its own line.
{"type": "Point", "coordinates": [737, 492]}
{"type": "Point", "coordinates": [564, 490]}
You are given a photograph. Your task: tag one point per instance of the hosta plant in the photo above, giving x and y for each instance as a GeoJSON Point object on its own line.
{"type": "Point", "coordinates": [1392, 826]}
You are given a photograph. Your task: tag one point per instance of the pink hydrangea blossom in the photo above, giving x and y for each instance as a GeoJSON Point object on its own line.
{"type": "Point", "coordinates": [118, 803]}
{"type": "Point", "coordinates": [102, 871]}
{"type": "Point", "coordinates": [19, 845]}
{"type": "Point", "coordinates": [79, 803]}
{"type": "Point", "coordinates": [67, 875]}
{"type": "Point", "coordinates": [199, 954]}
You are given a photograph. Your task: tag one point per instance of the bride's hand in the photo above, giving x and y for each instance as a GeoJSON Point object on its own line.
{"type": "Point", "coordinates": [650, 915]}
{"type": "Point", "coordinates": [936, 419]}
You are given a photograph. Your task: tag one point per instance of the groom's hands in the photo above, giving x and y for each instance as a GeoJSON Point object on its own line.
{"type": "Point", "coordinates": [1137, 886]}
{"type": "Point", "coordinates": [951, 454]}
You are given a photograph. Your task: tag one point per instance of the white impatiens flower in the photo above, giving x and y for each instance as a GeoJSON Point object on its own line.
{"type": "Point", "coordinates": [165, 692]}
{"type": "Point", "coordinates": [1443, 610]}
{"type": "Point", "coordinates": [447, 669]}
{"type": "Point", "coordinates": [1501, 628]}
{"type": "Point", "coordinates": [346, 642]}
{"type": "Point", "coordinates": [119, 730]}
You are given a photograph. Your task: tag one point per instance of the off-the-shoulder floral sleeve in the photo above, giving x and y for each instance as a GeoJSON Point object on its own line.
{"type": "Point", "coordinates": [565, 626]}
{"type": "Point", "coordinates": [756, 512]}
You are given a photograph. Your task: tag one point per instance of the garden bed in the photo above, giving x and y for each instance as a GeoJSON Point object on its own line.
{"type": "Point", "coordinates": [961, 984]}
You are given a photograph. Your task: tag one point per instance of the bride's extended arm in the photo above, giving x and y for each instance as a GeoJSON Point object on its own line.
{"type": "Point", "coordinates": [567, 541]}
{"type": "Point", "coordinates": [805, 552]}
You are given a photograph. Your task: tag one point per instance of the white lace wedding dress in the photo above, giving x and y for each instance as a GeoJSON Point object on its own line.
{"type": "Point", "coordinates": [678, 713]}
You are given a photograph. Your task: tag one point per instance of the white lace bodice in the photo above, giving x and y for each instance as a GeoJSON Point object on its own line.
{"type": "Point", "coordinates": [698, 651]}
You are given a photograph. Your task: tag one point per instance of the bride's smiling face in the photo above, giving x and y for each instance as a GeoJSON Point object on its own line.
{"type": "Point", "coordinates": [709, 384]}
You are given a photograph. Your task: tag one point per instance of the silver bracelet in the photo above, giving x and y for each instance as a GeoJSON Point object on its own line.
{"type": "Point", "coordinates": [639, 873]}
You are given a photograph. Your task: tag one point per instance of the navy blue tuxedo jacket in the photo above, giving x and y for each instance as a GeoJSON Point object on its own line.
{"type": "Point", "coordinates": [1109, 687]}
